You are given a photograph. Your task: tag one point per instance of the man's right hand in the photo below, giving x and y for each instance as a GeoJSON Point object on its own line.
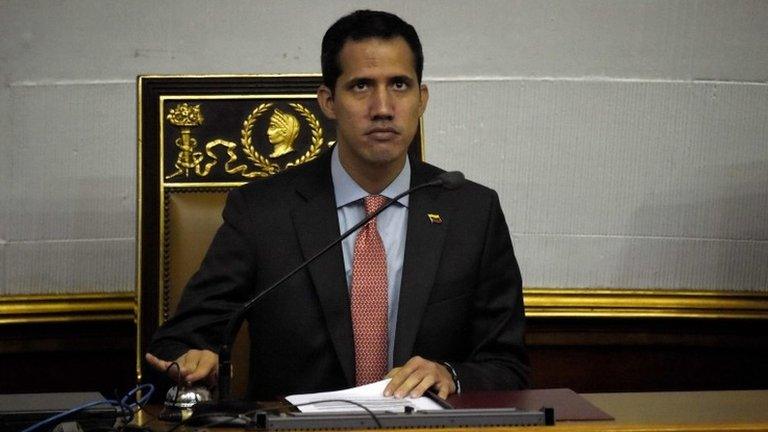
{"type": "Point", "coordinates": [194, 365]}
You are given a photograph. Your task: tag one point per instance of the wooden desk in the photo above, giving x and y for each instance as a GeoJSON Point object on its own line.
{"type": "Point", "coordinates": [745, 410]}
{"type": "Point", "coordinates": [644, 412]}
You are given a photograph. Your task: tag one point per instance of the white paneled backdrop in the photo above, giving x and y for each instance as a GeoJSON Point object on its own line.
{"type": "Point", "coordinates": [628, 140]}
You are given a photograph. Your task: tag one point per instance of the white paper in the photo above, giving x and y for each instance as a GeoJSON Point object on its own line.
{"type": "Point", "coordinates": [370, 395]}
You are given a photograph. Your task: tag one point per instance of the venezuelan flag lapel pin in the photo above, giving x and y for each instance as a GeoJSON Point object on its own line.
{"type": "Point", "coordinates": [434, 218]}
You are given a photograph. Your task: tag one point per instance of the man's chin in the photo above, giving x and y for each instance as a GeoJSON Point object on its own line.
{"type": "Point", "coordinates": [377, 155]}
{"type": "Point", "coordinates": [384, 158]}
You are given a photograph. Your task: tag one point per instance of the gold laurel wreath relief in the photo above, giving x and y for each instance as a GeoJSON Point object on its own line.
{"type": "Point", "coordinates": [267, 168]}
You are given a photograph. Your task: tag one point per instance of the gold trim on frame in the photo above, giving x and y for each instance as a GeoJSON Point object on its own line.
{"type": "Point", "coordinates": [639, 303]}
{"type": "Point", "coordinates": [139, 222]}
{"type": "Point", "coordinates": [422, 139]}
{"type": "Point", "coordinates": [24, 309]}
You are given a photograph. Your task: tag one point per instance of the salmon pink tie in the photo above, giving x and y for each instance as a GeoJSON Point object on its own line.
{"type": "Point", "coordinates": [369, 299]}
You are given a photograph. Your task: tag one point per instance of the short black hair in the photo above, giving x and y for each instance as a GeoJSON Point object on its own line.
{"type": "Point", "coordinates": [365, 24]}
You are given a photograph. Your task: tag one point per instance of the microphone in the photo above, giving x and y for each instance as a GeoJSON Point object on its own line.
{"type": "Point", "coordinates": [449, 180]}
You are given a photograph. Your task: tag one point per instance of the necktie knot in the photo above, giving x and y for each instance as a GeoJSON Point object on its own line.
{"type": "Point", "coordinates": [374, 202]}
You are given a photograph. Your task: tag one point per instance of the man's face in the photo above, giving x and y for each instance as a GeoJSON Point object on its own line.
{"type": "Point", "coordinates": [377, 103]}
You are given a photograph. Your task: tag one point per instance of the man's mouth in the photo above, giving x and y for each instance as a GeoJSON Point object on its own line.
{"type": "Point", "coordinates": [382, 132]}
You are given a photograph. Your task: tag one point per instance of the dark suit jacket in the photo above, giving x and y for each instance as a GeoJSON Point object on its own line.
{"type": "Point", "coordinates": [460, 296]}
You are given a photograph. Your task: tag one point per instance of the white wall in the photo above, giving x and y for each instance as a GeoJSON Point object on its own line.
{"type": "Point", "coordinates": [628, 140]}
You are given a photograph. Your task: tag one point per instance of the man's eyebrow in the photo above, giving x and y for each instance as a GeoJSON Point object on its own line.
{"type": "Point", "coordinates": [357, 80]}
{"type": "Point", "coordinates": [405, 78]}
{"type": "Point", "coordinates": [368, 80]}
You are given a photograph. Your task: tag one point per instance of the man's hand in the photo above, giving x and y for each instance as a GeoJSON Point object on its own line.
{"type": "Point", "coordinates": [194, 365]}
{"type": "Point", "coordinates": [416, 376]}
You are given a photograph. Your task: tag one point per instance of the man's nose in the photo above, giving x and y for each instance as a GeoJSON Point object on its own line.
{"type": "Point", "coordinates": [382, 105]}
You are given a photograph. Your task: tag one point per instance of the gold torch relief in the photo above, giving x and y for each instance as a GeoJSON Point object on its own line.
{"type": "Point", "coordinates": [282, 131]}
{"type": "Point", "coordinates": [186, 117]}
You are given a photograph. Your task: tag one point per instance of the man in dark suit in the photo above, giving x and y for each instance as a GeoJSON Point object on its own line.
{"type": "Point", "coordinates": [450, 315]}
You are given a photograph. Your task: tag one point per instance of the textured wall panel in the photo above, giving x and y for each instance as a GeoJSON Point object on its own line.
{"type": "Point", "coordinates": [52, 267]}
{"type": "Point", "coordinates": [641, 262]}
{"type": "Point", "coordinates": [5, 161]}
{"type": "Point", "coordinates": [5, 178]}
{"type": "Point", "coordinates": [3, 265]}
{"type": "Point", "coordinates": [96, 39]}
{"type": "Point", "coordinates": [611, 158]}
{"type": "Point", "coordinates": [646, 163]}
{"type": "Point", "coordinates": [608, 38]}
{"type": "Point", "coordinates": [74, 168]}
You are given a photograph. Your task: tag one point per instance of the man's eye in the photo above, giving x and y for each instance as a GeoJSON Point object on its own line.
{"type": "Point", "coordinates": [360, 86]}
{"type": "Point", "coordinates": [400, 85]}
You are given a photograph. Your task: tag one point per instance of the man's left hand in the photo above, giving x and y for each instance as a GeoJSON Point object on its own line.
{"type": "Point", "coordinates": [418, 375]}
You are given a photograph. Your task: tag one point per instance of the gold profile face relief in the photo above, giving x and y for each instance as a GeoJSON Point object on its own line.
{"type": "Point", "coordinates": [282, 132]}
{"type": "Point", "coordinates": [243, 160]}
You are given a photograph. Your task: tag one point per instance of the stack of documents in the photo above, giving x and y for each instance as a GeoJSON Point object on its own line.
{"type": "Point", "coordinates": [370, 395]}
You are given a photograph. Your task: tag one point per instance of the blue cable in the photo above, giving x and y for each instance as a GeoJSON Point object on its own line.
{"type": "Point", "coordinates": [126, 408]}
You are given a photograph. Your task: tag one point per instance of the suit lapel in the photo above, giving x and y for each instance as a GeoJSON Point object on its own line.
{"type": "Point", "coordinates": [423, 247]}
{"type": "Point", "coordinates": [316, 225]}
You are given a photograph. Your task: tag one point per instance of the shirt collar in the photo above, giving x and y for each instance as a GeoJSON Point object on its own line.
{"type": "Point", "coordinates": [347, 191]}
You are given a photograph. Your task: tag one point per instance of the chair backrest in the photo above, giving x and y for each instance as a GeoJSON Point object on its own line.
{"type": "Point", "coordinates": [200, 137]}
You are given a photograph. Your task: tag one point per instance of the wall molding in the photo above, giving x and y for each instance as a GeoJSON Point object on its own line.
{"type": "Point", "coordinates": [24, 309]}
{"type": "Point", "coordinates": [641, 303]}
{"type": "Point", "coordinates": [539, 303]}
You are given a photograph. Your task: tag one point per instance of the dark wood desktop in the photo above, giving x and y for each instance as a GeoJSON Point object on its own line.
{"type": "Point", "coordinates": [743, 410]}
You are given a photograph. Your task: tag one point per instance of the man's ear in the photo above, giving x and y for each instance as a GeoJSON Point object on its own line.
{"type": "Point", "coordinates": [424, 91]}
{"type": "Point", "coordinates": [325, 99]}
